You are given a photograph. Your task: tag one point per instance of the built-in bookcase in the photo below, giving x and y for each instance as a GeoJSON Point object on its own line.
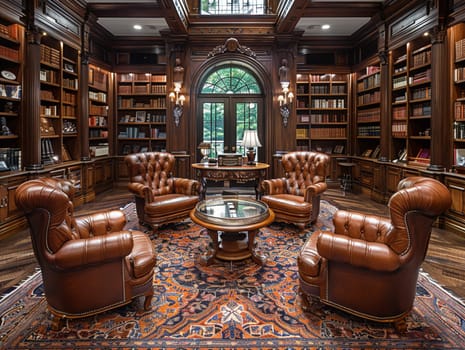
{"type": "Point", "coordinates": [59, 120]}
{"type": "Point", "coordinates": [368, 118]}
{"type": "Point", "coordinates": [458, 96]}
{"type": "Point", "coordinates": [100, 121]}
{"type": "Point", "coordinates": [141, 106]}
{"type": "Point", "coordinates": [322, 107]}
{"type": "Point", "coordinates": [11, 41]}
{"type": "Point", "coordinates": [411, 102]}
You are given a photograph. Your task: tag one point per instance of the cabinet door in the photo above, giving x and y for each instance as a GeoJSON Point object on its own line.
{"type": "Point", "coordinates": [457, 191]}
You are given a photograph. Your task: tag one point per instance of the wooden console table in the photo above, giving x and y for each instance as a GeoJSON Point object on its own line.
{"type": "Point", "coordinates": [245, 173]}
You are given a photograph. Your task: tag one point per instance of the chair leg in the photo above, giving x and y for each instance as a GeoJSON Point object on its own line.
{"type": "Point", "coordinates": [57, 322]}
{"type": "Point", "coordinates": [307, 300]}
{"type": "Point", "coordinates": [148, 301]}
{"type": "Point", "coordinates": [401, 326]}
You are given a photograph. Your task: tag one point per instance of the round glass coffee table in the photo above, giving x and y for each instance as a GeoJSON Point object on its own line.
{"type": "Point", "coordinates": [232, 223]}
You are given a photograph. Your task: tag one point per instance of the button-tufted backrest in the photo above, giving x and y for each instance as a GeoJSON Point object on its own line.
{"type": "Point", "coordinates": [153, 169]}
{"type": "Point", "coordinates": [303, 169]}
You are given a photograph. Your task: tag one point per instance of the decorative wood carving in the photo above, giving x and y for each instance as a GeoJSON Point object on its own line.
{"type": "Point", "coordinates": [231, 45]}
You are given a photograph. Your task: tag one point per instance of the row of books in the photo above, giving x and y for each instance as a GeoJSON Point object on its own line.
{"type": "Point", "coordinates": [327, 132]}
{"type": "Point", "coordinates": [460, 49]}
{"type": "Point", "coordinates": [369, 82]}
{"type": "Point", "coordinates": [10, 31]}
{"type": "Point", "coordinates": [49, 76]}
{"type": "Point", "coordinates": [98, 79]}
{"type": "Point", "coordinates": [10, 53]}
{"type": "Point", "coordinates": [48, 155]}
{"type": "Point", "coordinates": [421, 93]}
{"type": "Point", "coordinates": [421, 58]}
{"type": "Point", "coordinates": [399, 129]}
{"type": "Point", "coordinates": [98, 96]}
{"type": "Point", "coordinates": [372, 97]}
{"type": "Point", "coordinates": [399, 112]}
{"type": "Point", "coordinates": [369, 115]}
{"type": "Point", "coordinates": [132, 103]}
{"type": "Point", "coordinates": [459, 110]}
{"type": "Point", "coordinates": [97, 121]}
{"type": "Point", "coordinates": [49, 55]}
{"type": "Point", "coordinates": [369, 130]}
{"type": "Point", "coordinates": [326, 117]}
{"type": "Point", "coordinates": [328, 103]}
{"type": "Point", "coordinates": [135, 77]}
{"type": "Point", "coordinates": [10, 159]}
{"type": "Point", "coordinates": [98, 110]}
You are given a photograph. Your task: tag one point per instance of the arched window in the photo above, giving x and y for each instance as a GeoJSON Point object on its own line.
{"type": "Point", "coordinates": [231, 80]}
{"type": "Point", "coordinates": [231, 101]}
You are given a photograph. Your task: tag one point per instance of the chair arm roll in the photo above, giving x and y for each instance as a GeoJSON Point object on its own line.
{"type": "Point", "coordinates": [81, 253]}
{"type": "Point", "coordinates": [141, 190]}
{"type": "Point", "coordinates": [185, 186]}
{"type": "Point", "coordinates": [315, 190]}
{"type": "Point", "coordinates": [274, 186]}
{"type": "Point", "coordinates": [357, 252]}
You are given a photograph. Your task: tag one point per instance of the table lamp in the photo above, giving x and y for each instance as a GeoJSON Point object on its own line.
{"type": "Point", "coordinates": [250, 141]}
{"type": "Point", "coordinates": [204, 148]}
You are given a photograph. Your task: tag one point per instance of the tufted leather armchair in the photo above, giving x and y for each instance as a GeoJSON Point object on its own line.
{"type": "Point", "coordinates": [295, 198]}
{"type": "Point", "coordinates": [369, 265]}
{"type": "Point", "coordinates": [160, 197]}
{"type": "Point", "coordinates": [89, 263]}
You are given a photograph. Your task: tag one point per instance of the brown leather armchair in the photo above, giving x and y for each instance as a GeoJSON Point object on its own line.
{"type": "Point", "coordinates": [160, 197]}
{"type": "Point", "coordinates": [369, 265]}
{"type": "Point", "coordinates": [89, 263]}
{"type": "Point", "coordinates": [295, 199]}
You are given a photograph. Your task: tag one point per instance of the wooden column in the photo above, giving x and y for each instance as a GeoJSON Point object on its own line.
{"type": "Point", "coordinates": [31, 155]}
{"type": "Point", "coordinates": [385, 102]}
{"type": "Point", "coordinates": [83, 109]}
{"type": "Point", "coordinates": [440, 119]}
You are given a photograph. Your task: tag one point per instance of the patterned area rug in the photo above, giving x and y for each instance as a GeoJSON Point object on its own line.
{"type": "Point", "coordinates": [226, 305]}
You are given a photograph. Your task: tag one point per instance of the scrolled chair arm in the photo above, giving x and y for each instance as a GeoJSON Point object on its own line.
{"type": "Point", "coordinates": [100, 223]}
{"type": "Point", "coordinates": [82, 253]}
{"type": "Point", "coordinates": [357, 252]}
{"type": "Point", "coordinates": [186, 186]}
{"type": "Point", "coordinates": [315, 190]}
{"type": "Point", "coordinates": [141, 190]}
{"type": "Point", "coordinates": [274, 186]}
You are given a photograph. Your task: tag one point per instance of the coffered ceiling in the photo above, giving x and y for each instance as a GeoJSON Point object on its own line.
{"type": "Point", "coordinates": [343, 16]}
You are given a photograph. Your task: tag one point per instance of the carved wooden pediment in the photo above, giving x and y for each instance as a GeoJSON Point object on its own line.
{"type": "Point", "coordinates": [231, 45]}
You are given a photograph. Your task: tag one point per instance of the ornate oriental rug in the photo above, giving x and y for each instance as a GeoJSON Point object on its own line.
{"type": "Point", "coordinates": [226, 305]}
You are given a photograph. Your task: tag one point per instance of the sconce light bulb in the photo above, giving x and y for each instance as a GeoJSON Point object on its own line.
{"type": "Point", "coordinates": [290, 95]}
{"type": "Point", "coordinates": [182, 98]}
{"type": "Point", "coordinates": [172, 96]}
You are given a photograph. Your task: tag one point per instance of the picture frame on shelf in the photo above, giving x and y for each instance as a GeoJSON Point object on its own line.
{"type": "Point", "coordinates": [140, 116]}
{"type": "Point", "coordinates": [338, 149]}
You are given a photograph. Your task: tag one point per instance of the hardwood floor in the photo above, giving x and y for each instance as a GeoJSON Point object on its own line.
{"type": "Point", "coordinates": [445, 260]}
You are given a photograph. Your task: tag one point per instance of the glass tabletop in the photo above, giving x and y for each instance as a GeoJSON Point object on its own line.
{"type": "Point", "coordinates": [232, 211]}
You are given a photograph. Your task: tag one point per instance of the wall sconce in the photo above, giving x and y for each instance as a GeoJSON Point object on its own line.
{"type": "Point", "coordinates": [250, 141]}
{"type": "Point", "coordinates": [286, 97]}
{"type": "Point", "coordinates": [175, 96]}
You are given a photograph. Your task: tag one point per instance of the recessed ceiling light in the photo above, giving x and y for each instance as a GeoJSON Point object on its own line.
{"type": "Point", "coordinates": [137, 27]}
{"type": "Point", "coordinates": [325, 26]}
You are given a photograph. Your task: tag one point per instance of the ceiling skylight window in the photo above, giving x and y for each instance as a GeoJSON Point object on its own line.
{"type": "Point", "coordinates": [233, 7]}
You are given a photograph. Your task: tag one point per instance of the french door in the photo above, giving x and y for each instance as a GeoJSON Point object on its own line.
{"type": "Point", "coordinates": [224, 119]}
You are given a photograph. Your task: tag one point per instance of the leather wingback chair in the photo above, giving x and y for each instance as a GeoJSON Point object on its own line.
{"type": "Point", "coordinates": [89, 263]}
{"type": "Point", "coordinates": [295, 198]}
{"type": "Point", "coordinates": [369, 265]}
{"type": "Point", "coordinates": [160, 197]}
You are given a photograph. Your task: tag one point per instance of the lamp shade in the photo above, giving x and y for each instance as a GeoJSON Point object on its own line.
{"type": "Point", "coordinates": [251, 139]}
